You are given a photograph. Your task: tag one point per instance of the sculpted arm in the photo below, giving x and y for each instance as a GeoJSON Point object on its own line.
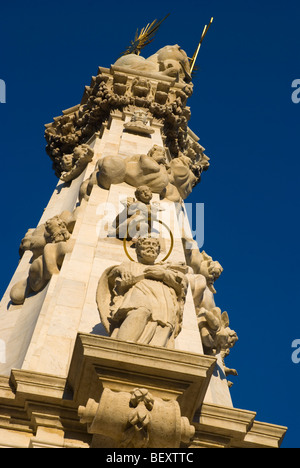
{"type": "Point", "coordinates": [173, 279]}
{"type": "Point", "coordinates": [120, 279]}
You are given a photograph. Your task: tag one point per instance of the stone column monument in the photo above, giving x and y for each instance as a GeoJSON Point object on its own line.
{"type": "Point", "coordinates": [110, 335]}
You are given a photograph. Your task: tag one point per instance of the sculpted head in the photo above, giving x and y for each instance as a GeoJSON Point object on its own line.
{"type": "Point", "coordinates": [83, 151]}
{"type": "Point", "coordinates": [174, 62]}
{"type": "Point", "coordinates": [56, 230]}
{"type": "Point", "coordinates": [144, 194]}
{"type": "Point", "coordinates": [158, 153]}
{"type": "Point", "coordinates": [139, 116]}
{"type": "Point", "coordinates": [211, 270]}
{"type": "Point", "coordinates": [226, 338]}
{"type": "Point", "coordinates": [147, 250]}
{"type": "Point", "coordinates": [67, 162]}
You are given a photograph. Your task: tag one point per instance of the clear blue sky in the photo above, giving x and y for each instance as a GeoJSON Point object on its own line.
{"type": "Point", "coordinates": [243, 112]}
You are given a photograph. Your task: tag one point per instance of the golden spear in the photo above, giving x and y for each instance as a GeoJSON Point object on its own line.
{"type": "Point", "coordinates": [194, 58]}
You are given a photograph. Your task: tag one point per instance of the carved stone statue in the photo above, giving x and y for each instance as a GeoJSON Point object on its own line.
{"type": "Point", "coordinates": [141, 301]}
{"type": "Point", "coordinates": [216, 336]}
{"type": "Point", "coordinates": [181, 176]}
{"type": "Point", "coordinates": [140, 169]}
{"type": "Point", "coordinates": [72, 165]}
{"type": "Point", "coordinates": [49, 243]}
{"type": "Point", "coordinates": [137, 218]}
{"type": "Point", "coordinates": [215, 332]}
{"type": "Point", "coordinates": [170, 60]}
{"type": "Point", "coordinates": [205, 272]}
{"type": "Point", "coordinates": [56, 229]}
{"type": "Point", "coordinates": [173, 180]}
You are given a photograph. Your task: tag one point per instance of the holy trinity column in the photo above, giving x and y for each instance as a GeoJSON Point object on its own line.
{"type": "Point", "coordinates": [110, 333]}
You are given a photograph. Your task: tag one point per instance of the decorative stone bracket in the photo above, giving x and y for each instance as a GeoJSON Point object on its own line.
{"type": "Point", "coordinates": [135, 419]}
{"type": "Point", "coordinates": [137, 395]}
{"type": "Point", "coordinates": [142, 405]}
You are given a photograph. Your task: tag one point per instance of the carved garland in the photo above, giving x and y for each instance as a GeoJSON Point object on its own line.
{"type": "Point", "coordinates": [105, 95]}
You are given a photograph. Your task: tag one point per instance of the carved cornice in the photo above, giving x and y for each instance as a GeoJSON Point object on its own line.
{"type": "Point", "coordinates": [118, 88]}
{"type": "Point", "coordinates": [41, 410]}
{"type": "Point", "coordinates": [45, 387]}
{"type": "Point", "coordinates": [237, 428]}
{"type": "Point", "coordinates": [171, 374]}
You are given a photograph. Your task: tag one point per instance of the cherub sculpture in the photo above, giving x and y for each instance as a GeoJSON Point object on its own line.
{"type": "Point", "coordinates": [72, 165]}
{"type": "Point", "coordinates": [49, 243]}
{"type": "Point", "coordinates": [137, 218]}
{"type": "Point", "coordinates": [217, 337]}
{"type": "Point", "coordinates": [173, 181]}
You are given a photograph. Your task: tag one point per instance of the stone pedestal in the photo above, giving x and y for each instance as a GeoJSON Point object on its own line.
{"type": "Point", "coordinates": [122, 388]}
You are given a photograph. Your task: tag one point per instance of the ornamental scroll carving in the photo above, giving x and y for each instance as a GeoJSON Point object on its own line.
{"type": "Point", "coordinates": [137, 420]}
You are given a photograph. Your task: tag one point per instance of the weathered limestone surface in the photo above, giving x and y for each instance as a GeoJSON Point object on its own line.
{"type": "Point", "coordinates": [112, 336]}
{"type": "Point", "coordinates": [56, 412]}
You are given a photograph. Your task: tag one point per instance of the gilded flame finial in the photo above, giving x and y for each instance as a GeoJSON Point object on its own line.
{"type": "Point", "coordinates": [144, 38]}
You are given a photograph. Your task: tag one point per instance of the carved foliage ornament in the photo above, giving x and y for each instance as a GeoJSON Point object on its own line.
{"type": "Point", "coordinates": [76, 126]}
{"type": "Point", "coordinates": [137, 420]}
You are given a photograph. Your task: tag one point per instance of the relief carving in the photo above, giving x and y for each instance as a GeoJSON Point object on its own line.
{"type": "Point", "coordinates": [137, 431]}
{"type": "Point", "coordinates": [108, 93]}
{"type": "Point", "coordinates": [137, 420]}
{"type": "Point", "coordinates": [139, 124]}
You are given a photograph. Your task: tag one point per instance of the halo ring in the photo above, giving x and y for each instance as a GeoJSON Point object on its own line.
{"type": "Point", "coordinates": [170, 249]}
